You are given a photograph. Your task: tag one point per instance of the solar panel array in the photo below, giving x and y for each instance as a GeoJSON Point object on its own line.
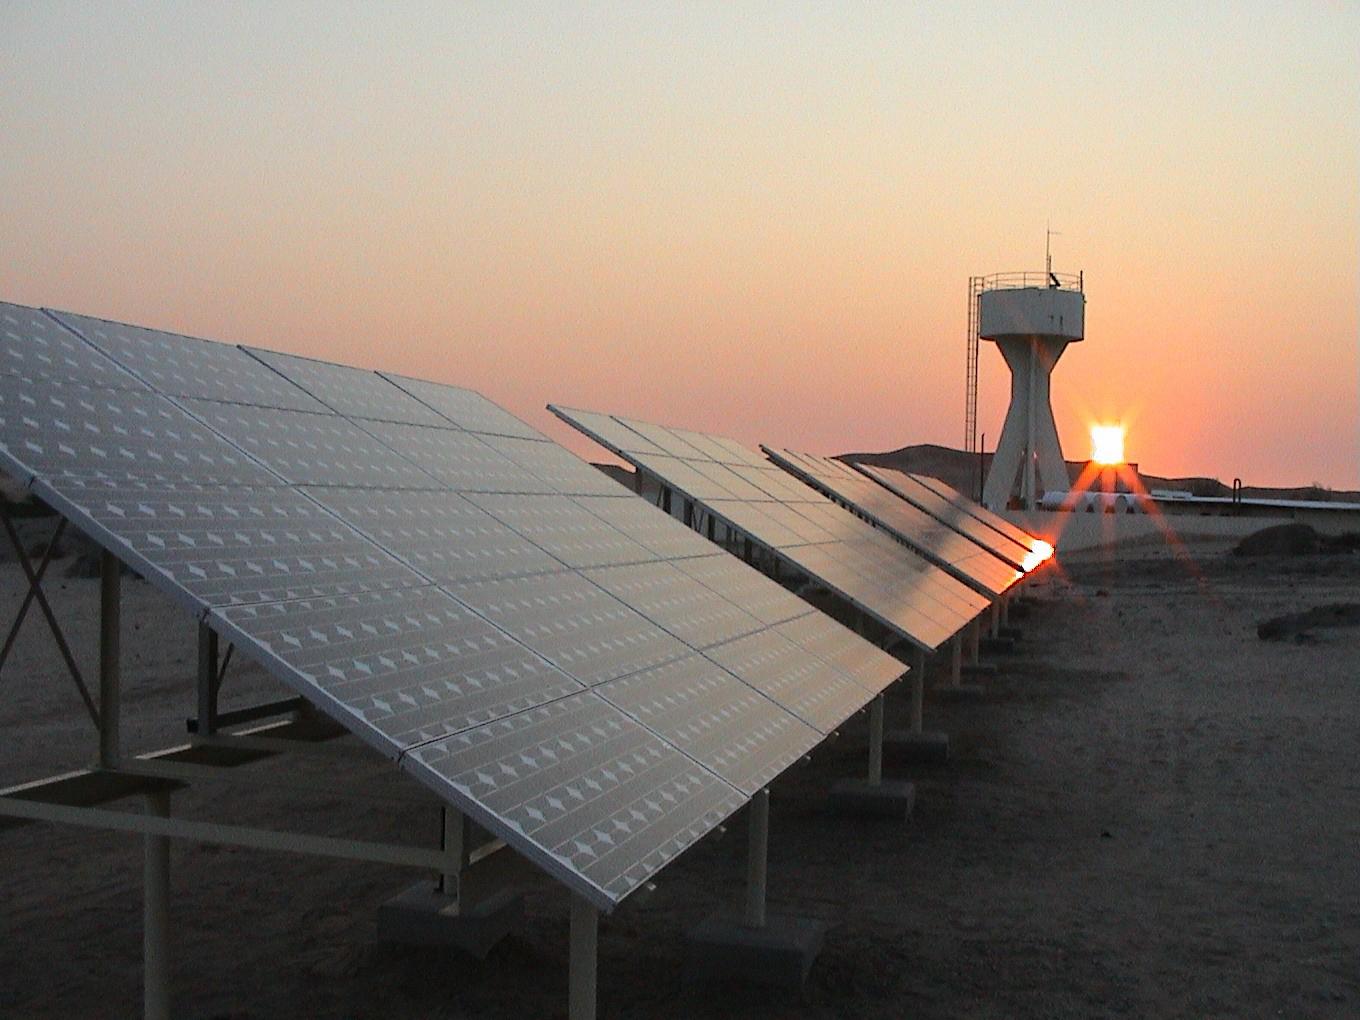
{"type": "Point", "coordinates": [943, 546]}
{"type": "Point", "coordinates": [575, 670]}
{"type": "Point", "coordinates": [951, 507]}
{"type": "Point", "coordinates": [905, 592]}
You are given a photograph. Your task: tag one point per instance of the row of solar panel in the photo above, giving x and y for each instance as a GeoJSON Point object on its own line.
{"type": "Point", "coordinates": [907, 593]}
{"type": "Point", "coordinates": [579, 672]}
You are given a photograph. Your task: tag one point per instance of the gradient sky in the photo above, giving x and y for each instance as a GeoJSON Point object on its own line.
{"type": "Point", "coordinates": [752, 219]}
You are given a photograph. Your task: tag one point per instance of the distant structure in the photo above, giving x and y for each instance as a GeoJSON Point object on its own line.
{"type": "Point", "coordinates": [1031, 317]}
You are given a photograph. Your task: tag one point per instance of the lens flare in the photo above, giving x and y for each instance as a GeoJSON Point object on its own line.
{"type": "Point", "coordinates": [1107, 444]}
{"type": "Point", "coordinates": [1038, 553]}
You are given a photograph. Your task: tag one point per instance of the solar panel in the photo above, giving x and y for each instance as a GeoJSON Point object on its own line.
{"type": "Point", "coordinates": [181, 366]}
{"type": "Point", "coordinates": [311, 449]}
{"type": "Point", "coordinates": [712, 716]}
{"type": "Point", "coordinates": [670, 598]}
{"type": "Point", "coordinates": [943, 546]}
{"type": "Point", "coordinates": [411, 577]}
{"type": "Point", "coordinates": [621, 437]}
{"type": "Point", "coordinates": [659, 533]}
{"type": "Point", "coordinates": [440, 534]}
{"type": "Point", "coordinates": [405, 666]}
{"type": "Point", "coordinates": [789, 676]}
{"type": "Point", "coordinates": [833, 643]}
{"type": "Point", "coordinates": [36, 348]}
{"type": "Point", "coordinates": [96, 432]}
{"type": "Point", "coordinates": [234, 544]}
{"type": "Point", "coordinates": [465, 408]}
{"type": "Point", "coordinates": [455, 459]}
{"type": "Point", "coordinates": [594, 794]}
{"type": "Point", "coordinates": [561, 528]}
{"type": "Point", "coordinates": [757, 594]}
{"type": "Point", "coordinates": [352, 392]}
{"type": "Point", "coordinates": [881, 577]}
{"type": "Point", "coordinates": [914, 487]}
{"type": "Point", "coordinates": [574, 624]}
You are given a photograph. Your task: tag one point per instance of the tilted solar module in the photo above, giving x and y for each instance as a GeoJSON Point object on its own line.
{"type": "Point", "coordinates": [958, 511]}
{"type": "Point", "coordinates": [943, 546]}
{"type": "Point", "coordinates": [523, 635]}
{"type": "Point", "coordinates": [903, 591]}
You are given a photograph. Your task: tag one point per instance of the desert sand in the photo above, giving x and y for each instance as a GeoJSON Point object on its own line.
{"type": "Point", "coordinates": [1153, 813]}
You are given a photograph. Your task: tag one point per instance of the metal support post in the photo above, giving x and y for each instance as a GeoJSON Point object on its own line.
{"type": "Point", "coordinates": [975, 641]}
{"type": "Point", "coordinates": [757, 850]}
{"type": "Point", "coordinates": [455, 853]}
{"type": "Point", "coordinates": [1005, 610]}
{"type": "Point", "coordinates": [876, 741]}
{"type": "Point", "coordinates": [956, 659]}
{"type": "Point", "coordinates": [918, 690]}
{"type": "Point", "coordinates": [207, 681]}
{"type": "Point", "coordinates": [689, 513]}
{"type": "Point", "coordinates": [156, 916]}
{"type": "Point", "coordinates": [583, 961]}
{"type": "Point", "coordinates": [109, 672]}
{"type": "Point", "coordinates": [995, 619]}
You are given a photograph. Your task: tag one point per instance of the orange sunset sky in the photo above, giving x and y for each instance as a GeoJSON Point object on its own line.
{"type": "Point", "coordinates": [757, 219]}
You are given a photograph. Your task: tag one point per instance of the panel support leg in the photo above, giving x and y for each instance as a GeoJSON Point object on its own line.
{"type": "Point", "coordinates": [956, 660]}
{"type": "Point", "coordinates": [757, 855]}
{"type": "Point", "coordinates": [876, 741]}
{"type": "Point", "coordinates": [156, 916]}
{"type": "Point", "coordinates": [918, 691]}
{"type": "Point", "coordinates": [1005, 610]}
{"type": "Point", "coordinates": [974, 641]}
{"type": "Point", "coordinates": [110, 678]}
{"type": "Point", "coordinates": [207, 680]}
{"type": "Point", "coordinates": [995, 620]}
{"type": "Point", "coordinates": [455, 850]}
{"type": "Point", "coordinates": [583, 962]}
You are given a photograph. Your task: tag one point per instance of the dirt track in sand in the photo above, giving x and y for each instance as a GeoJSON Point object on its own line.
{"type": "Point", "coordinates": [1154, 813]}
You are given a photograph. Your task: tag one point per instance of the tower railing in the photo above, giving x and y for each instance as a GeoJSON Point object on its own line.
{"type": "Point", "coordinates": [1016, 281]}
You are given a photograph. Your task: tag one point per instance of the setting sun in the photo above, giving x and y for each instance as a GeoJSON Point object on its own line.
{"type": "Point", "coordinates": [1107, 444]}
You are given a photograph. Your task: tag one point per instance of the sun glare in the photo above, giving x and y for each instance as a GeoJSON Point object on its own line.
{"type": "Point", "coordinates": [1107, 444]}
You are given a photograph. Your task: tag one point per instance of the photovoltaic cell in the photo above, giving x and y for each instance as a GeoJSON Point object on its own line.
{"type": "Point", "coordinates": [712, 716]}
{"type": "Point", "coordinates": [618, 435]}
{"type": "Point", "coordinates": [36, 348]}
{"type": "Point", "coordinates": [820, 635]}
{"type": "Point", "coordinates": [659, 533]}
{"type": "Point", "coordinates": [603, 797]}
{"type": "Point", "coordinates": [763, 598]}
{"type": "Point", "coordinates": [181, 366]}
{"type": "Point", "coordinates": [561, 471]}
{"type": "Point", "coordinates": [311, 449]}
{"type": "Point", "coordinates": [95, 432]}
{"type": "Point", "coordinates": [789, 676]}
{"type": "Point", "coordinates": [561, 529]}
{"type": "Point", "coordinates": [353, 392]}
{"type": "Point", "coordinates": [574, 624]}
{"type": "Point", "coordinates": [235, 544]}
{"type": "Point", "coordinates": [670, 598]}
{"type": "Point", "coordinates": [455, 459]}
{"type": "Point", "coordinates": [408, 666]}
{"type": "Point", "coordinates": [465, 408]}
{"type": "Point", "coordinates": [440, 534]}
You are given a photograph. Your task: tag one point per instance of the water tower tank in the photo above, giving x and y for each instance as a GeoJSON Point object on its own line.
{"type": "Point", "coordinates": [1031, 317]}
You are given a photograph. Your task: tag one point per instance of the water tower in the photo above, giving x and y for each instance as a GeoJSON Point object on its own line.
{"type": "Point", "coordinates": [1031, 317]}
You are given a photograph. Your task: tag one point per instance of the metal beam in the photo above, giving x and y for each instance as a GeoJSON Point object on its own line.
{"type": "Point", "coordinates": [228, 835]}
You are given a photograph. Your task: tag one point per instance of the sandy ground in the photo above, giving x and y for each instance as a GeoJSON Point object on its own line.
{"type": "Point", "coordinates": [1154, 813]}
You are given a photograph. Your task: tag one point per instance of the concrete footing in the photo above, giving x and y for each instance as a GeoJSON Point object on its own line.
{"type": "Point", "coordinates": [908, 746]}
{"type": "Point", "coordinates": [778, 954]}
{"type": "Point", "coordinates": [888, 798]}
{"type": "Point", "coordinates": [996, 646]}
{"type": "Point", "coordinates": [959, 692]}
{"type": "Point", "coordinates": [424, 916]}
